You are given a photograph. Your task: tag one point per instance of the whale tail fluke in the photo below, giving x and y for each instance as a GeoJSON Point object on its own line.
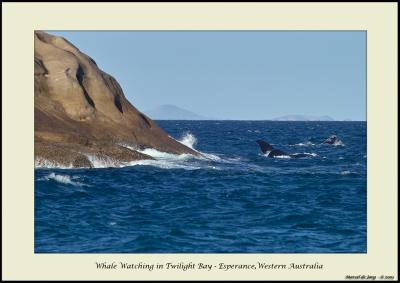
{"type": "Point", "coordinates": [264, 146]}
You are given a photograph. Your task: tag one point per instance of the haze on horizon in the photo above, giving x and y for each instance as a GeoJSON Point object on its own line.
{"type": "Point", "coordinates": [240, 75]}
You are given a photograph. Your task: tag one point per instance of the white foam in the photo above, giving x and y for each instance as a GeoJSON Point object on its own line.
{"type": "Point", "coordinates": [162, 159]}
{"type": "Point", "coordinates": [64, 179]}
{"type": "Point", "coordinates": [164, 155]}
{"type": "Point", "coordinates": [254, 131]}
{"type": "Point", "coordinates": [282, 156]}
{"type": "Point", "coordinates": [164, 164]}
{"type": "Point", "coordinates": [338, 143]}
{"type": "Point", "coordinates": [289, 156]}
{"type": "Point", "coordinates": [167, 160]}
{"type": "Point", "coordinates": [345, 172]}
{"type": "Point", "coordinates": [211, 156]}
{"type": "Point", "coordinates": [307, 143]}
{"type": "Point", "coordinates": [311, 153]}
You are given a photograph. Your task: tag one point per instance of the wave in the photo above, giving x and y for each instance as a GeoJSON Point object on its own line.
{"type": "Point", "coordinates": [165, 164]}
{"type": "Point", "coordinates": [63, 179]}
{"type": "Point", "coordinates": [160, 155]}
{"type": "Point", "coordinates": [167, 160]}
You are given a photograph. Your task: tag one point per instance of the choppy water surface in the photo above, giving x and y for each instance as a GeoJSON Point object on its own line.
{"type": "Point", "coordinates": [234, 199]}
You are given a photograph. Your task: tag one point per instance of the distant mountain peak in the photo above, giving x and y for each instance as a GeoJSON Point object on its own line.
{"type": "Point", "coordinates": [172, 112]}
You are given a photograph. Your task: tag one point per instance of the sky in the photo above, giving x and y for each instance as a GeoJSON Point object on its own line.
{"type": "Point", "coordinates": [241, 75]}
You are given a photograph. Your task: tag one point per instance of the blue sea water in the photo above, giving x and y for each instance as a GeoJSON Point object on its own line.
{"type": "Point", "coordinates": [235, 200]}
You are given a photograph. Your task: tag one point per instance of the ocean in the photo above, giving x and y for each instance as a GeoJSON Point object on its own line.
{"type": "Point", "coordinates": [234, 199]}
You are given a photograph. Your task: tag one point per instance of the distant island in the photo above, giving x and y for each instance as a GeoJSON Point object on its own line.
{"type": "Point", "coordinates": [303, 118]}
{"type": "Point", "coordinates": [172, 112]}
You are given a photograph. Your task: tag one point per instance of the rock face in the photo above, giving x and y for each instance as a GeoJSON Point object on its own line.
{"type": "Point", "coordinates": [81, 113]}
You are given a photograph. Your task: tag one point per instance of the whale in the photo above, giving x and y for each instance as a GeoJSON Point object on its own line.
{"type": "Point", "coordinates": [270, 151]}
{"type": "Point", "coordinates": [333, 140]}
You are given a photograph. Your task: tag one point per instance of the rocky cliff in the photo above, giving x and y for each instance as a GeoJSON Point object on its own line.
{"type": "Point", "coordinates": [81, 113]}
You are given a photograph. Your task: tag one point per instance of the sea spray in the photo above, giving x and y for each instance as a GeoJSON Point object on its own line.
{"type": "Point", "coordinates": [64, 179]}
{"type": "Point", "coordinates": [189, 140]}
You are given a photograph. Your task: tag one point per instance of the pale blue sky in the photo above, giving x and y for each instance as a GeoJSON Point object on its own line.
{"type": "Point", "coordinates": [235, 75]}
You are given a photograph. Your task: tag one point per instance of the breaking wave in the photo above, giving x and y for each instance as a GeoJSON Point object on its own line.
{"type": "Point", "coordinates": [166, 164]}
{"type": "Point", "coordinates": [167, 160]}
{"type": "Point", "coordinates": [189, 140]}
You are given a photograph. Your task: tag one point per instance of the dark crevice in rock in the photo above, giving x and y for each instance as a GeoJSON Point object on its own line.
{"type": "Point", "coordinates": [40, 36]}
{"type": "Point", "coordinates": [91, 60]}
{"type": "Point", "coordinates": [79, 76]}
{"type": "Point", "coordinates": [145, 120]}
{"type": "Point", "coordinates": [40, 69]}
{"type": "Point", "coordinates": [117, 102]}
{"type": "Point", "coordinates": [116, 89]}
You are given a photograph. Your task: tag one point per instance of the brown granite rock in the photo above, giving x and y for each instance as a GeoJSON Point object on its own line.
{"type": "Point", "coordinates": [81, 110]}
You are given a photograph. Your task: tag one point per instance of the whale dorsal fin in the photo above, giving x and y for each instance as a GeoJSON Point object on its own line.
{"type": "Point", "coordinates": [265, 147]}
